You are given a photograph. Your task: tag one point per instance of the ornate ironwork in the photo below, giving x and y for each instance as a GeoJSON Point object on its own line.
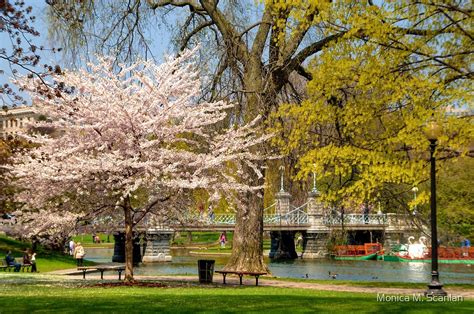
{"type": "Point", "coordinates": [356, 219]}
{"type": "Point", "coordinates": [297, 216]}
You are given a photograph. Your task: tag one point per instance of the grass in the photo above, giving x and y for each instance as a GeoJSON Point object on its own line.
{"type": "Point", "coordinates": [86, 240]}
{"type": "Point", "coordinates": [210, 240]}
{"type": "Point", "coordinates": [46, 260]}
{"type": "Point", "coordinates": [201, 238]}
{"type": "Point", "coordinates": [9, 244]}
{"type": "Point", "coordinates": [34, 295]}
{"type": "Point", "coordinates": [25, 292]}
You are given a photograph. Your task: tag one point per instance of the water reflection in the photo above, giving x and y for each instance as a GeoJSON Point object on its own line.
{"type": "Point", "coordinates": [184, 263]}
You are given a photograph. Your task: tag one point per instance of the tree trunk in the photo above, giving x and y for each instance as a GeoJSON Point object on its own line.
{"type": "Point", "coordinates": [247, 245]}
{"type": "Point", "coordinates": [128, 240]}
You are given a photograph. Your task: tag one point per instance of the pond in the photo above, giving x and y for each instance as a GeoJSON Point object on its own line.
{"type": "Point", "coordinates": [186, 263]}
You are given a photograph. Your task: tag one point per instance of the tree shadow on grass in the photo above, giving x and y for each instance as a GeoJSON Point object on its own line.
{"type": "Point", "coordinates": [197, 300]}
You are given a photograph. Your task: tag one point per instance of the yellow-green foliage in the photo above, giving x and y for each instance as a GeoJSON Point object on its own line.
{"type": "Point", "coordinates": [456, 198]}
{"type": "Point", "coordinates": [373, 90]}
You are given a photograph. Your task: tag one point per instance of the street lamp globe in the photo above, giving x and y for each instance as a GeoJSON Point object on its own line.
{"type": "Point", "coordinates": [432, 129]}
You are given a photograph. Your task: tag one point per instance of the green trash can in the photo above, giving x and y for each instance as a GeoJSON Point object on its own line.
{"type": "Point", "coordinates": [206, 270]}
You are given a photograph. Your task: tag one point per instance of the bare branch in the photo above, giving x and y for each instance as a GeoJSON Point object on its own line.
{"type": "Point", "coordinates": [302, 71]}
{"type": "Point", "coordinates": [194, 32]}
{"type": "Point", "coordinates": [262, 34]}
{"type": "Point", "coordinates": [301, 30]}
{"type": "Point", "coordinates": [177, 3]}
{"type": "Point", "coordinates": [310, 50]}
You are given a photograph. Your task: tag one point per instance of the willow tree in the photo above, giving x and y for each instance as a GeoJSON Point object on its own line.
{"type": "Point", "coordinates": [257, 54]}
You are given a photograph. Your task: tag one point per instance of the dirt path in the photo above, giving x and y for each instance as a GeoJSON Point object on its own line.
{"type": "Point", "coordinates": [346, 288]}
{"type": "Point", "coordinates": [250, 281]}
{"type": "Point", "coordinates": [316, 286]}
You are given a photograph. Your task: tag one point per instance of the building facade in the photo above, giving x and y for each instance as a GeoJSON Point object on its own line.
{"type": "Point", "coordinates": [15, 119]}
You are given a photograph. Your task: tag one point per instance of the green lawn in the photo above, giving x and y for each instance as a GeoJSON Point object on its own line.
{"type": "Point", "coordinates": [25, 292]}
{"type": "Point", "coordinates": [9, 244]}
{"type": "Point", "coordinates": [210, 240]}
{"type": "Point", "coordinates": [201, 238]}
{"type": "Point", "coordinates": [34, 295]}
{"type": "Point", "coordinates": [86, 240]}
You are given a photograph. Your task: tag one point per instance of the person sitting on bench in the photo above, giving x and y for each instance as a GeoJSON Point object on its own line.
{"type": "Point", "coordinates": [11, 261]}
{"type": "Point", "coordinates": [26, 258]}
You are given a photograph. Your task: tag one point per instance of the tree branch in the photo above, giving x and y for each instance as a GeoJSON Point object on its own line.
{"type": "Point", "coordinates": [308, 51]}
{"type": "Point", "coordinates": [176, 3]}
{"type": "Point", "coordinates": [302, 71]}
{"type": "Point", "coordinates": [229, 34]}
{"type": "Point", "coordinates": [150, 206]}
{"type": "Point", "coordinates": [262, 33]}
{"type": "Point", "coordinates": [194, 32]}
{"type": "Point", "coordinates": [293, 44]}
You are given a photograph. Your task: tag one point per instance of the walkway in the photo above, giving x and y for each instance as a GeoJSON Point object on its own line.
{"type": "Point", "coordinates": [268, 282]}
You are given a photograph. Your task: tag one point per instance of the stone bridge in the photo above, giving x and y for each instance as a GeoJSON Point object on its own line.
{"type": "Point", "coordinates": [312, 219]}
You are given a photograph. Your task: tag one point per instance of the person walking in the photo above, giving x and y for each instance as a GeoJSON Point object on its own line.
{"type": "Point", "coordinates": [72, 246]}
{"type": "Point", "coordinates": [223, 239]}
{"type": "Point", "coordinates": [299, 240]}
{"type": "Point", "coordinates": [33, 263]}
{"type": "Point", "coordinates": [79, 254]}
{"type": "Point", "coordinates": [210, 213]}
{"type": "Point", "coordinates": [465, 244]}
{"type": "Point", "coordinates": [201, 211]}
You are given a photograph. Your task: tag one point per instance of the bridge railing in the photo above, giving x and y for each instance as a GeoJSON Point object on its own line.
{"type": "Point", "coordinates": [216, 219]}
{"type": "Point", "coordinates": [294, 217]}
{"type": "Point", "coordinates": [356, 219]}
{"type": "Point", "coordinates": [297, 216]}
{"type": "Point", "coordinates": [223, 219]}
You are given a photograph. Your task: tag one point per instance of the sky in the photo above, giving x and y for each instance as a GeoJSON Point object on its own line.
{"type": "Point", "coordinates": [160, 43]}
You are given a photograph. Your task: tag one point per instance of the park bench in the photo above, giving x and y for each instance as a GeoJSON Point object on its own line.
{"type": "Point", "coordinates": [119, 269]}
{"type": "Point", "coordinates": [240, 274]}
{"type": "Point", "coordinates": [26, 266]}
{"type": "Point", "coordinates": [6, 267]}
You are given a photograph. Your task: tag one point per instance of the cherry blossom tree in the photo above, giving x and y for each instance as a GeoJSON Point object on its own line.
{"type": "Point", "coordinates": [131, 141]}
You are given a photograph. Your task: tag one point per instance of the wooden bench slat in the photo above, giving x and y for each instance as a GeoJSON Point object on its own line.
{"type": "Point", "coordinates": [6, 267]}
{"type": "Point", "coordinates": [240, 274]}
{"type": "Point", "coordinates": [119, 269]}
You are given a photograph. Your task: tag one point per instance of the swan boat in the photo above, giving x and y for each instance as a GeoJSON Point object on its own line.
{"type": "Point", "coordinates": [419, 252]}
{"type": "Point", "coordinates": [368, 251]}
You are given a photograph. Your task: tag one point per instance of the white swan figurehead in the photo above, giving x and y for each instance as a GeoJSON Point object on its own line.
{"type": "Point", "coordinates": [422, 240]}
{"type": "Point", "coordinates": [424, 249]}
{"type": "Point", "coordinates": [415, 250]}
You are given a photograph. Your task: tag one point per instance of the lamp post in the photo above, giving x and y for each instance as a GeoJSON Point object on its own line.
{"type": "Point", "coordinates": [282, 173]}
{"type": "Point", "coordinates": [315, 189]}
{"type": "Point", "coordinates": [414, 190]}
{"type": "Point", "coordinates": [435, 288]}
